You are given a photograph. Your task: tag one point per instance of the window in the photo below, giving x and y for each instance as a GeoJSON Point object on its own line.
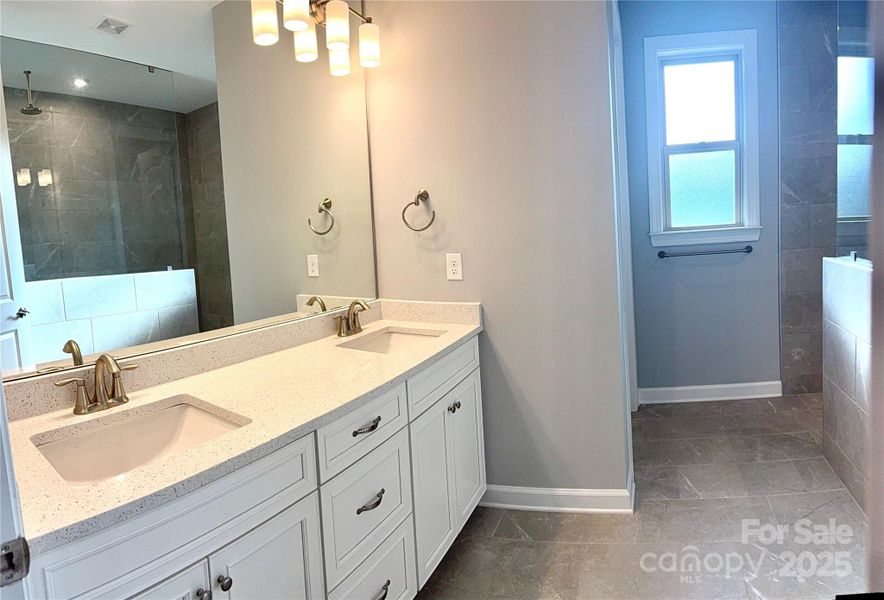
{"type": "Point", "coordinates": [702, 115]}
{"type": "Point", "coordinates": [856, 125]}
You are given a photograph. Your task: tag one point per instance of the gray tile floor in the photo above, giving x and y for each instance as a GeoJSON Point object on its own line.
{"type": "Point", "coordinates": [734, 500]}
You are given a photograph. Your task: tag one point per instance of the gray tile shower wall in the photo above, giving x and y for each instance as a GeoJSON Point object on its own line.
{"type": "Point", "coordinates": [204, 198]}
{"type": "Point", "coordinates": [847, 351]}
{"type": "Point", "coordinates": [808, 184]}
{"type": "Point", "coordinates": [113, 205]}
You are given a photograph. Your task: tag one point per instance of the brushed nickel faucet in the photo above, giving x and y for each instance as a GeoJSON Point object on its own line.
{"type": "Point", "coordinates": [314, 299]}
{"type": "Point", "coordinates": [73, 348]}
{"type": "Point", "coordinates": [102, 397]}
{"type": "Point", "coordinates": [349, 324]}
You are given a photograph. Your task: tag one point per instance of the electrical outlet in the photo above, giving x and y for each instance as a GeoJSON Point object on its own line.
{"type": "Point", "coordinates": [454, 266]}
{"type": "Point", "coordinates": [312, 265]}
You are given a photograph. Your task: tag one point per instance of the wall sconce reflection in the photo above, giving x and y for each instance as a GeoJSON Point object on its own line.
{"type": "Point", "coordinates": [23, 177]}
{"type": "Point", "coordinates": [44, 177]}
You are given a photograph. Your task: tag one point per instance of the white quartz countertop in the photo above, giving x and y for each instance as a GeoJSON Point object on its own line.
{"type": "Point", "coordinates": [286, 395]}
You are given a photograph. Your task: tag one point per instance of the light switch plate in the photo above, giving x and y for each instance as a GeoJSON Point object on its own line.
{"type": "Point", "coordinates": [454, 266]}
{"type": "Point", "coordinates": [312, 265]}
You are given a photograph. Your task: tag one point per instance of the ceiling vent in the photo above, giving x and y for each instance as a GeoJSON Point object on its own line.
{"type": "Point", "coordinates": [112, 26]}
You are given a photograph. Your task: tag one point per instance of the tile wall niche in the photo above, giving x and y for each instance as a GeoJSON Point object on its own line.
{"type": "Point", "coordinates": [113, 205]}
{"type": "Point", "coordinates": [808, 183]}
{"type": "Point", "coordinates": [847, 361]}
{"type": "Point", "coordinates": [107, 313]}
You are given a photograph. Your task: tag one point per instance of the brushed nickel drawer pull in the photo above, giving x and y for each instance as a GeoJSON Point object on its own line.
{"type": "Point", "coordinates": [453, 408]}
{"type": "Point", "coordinates": [373, 504]}
{"type": "Point", "coordinates": [368, 428]}
{"type": "Point", "coordinates": [384, 591]}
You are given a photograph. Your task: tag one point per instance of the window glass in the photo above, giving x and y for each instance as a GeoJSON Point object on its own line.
{"type": "Point", "coordinates": [856, 97]}
{"type": "Point", "coordinates": [702, 189]}
{"type": "Point", "coordinates": [854, 179]}
{"type": "Point", "coordinates": [700, 102]}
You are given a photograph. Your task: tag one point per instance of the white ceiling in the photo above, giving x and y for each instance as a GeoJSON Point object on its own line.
{"type": "Point", "coordinates": [175, 35]}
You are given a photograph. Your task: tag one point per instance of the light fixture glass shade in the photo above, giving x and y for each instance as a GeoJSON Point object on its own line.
{"type": "Point", "coordinates": [337, 25]}
{"type": "Point", "coordinates": [369, 45]}
{"type": "Point", "coordinates": [44, 177]}
{"type": "Point", "coordinates": [306, 46]}
{"type": "Point", "coordinates": [339, 62]}
{"type": "Point", "coordinates": [23, 177]}
{"type": "Point", "coordinates": [296, 14]}
{"type": "Point", "coordinates": [265, 26]}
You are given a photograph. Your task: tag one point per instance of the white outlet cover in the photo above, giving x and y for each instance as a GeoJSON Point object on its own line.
{"type": "Point", "coordinates": [454, 266]}
{"type": "Point", "coordinates": [312, 265]}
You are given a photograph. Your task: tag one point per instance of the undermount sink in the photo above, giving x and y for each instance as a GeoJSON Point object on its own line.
{"type": "Point", "coordinates": [118, 443]}
{"type": "Point", "coordinates": [390, 340]}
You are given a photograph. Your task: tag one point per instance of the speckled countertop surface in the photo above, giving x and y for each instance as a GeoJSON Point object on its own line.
{"type": "Point", "coordinates": [286, 395]}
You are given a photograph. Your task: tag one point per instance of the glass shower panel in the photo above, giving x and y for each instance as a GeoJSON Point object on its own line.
{"type": "Point", "coordinates": [104, 192]}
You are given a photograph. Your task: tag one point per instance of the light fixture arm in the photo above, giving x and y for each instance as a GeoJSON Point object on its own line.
{"type": "Point", "coordinates": [317, 10]}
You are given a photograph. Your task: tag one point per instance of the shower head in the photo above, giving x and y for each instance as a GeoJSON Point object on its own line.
{"type": "Point", "coordinates": [30, 109]}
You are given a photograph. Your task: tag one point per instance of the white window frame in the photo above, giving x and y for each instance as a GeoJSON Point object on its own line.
{"type": "Point", "coordinates": [742, 46]}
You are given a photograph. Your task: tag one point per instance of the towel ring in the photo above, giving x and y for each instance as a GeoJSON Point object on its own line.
{"type": "Point", "coordinates": [324, 207]}
{"type": "Point", "coordinates": [422, 196]}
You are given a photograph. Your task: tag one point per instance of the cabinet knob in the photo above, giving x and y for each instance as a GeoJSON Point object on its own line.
{"type": "Point", "coordinates": [22, 312]}
{"type": "Point", "coordinates": [225, 582]}
{"type": "Point", "coordinates": [453, 408]}
{"type": "Point", "coordinates": [204, 594]}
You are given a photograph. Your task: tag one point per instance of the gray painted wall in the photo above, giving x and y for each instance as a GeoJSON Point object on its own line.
{"type": "Point", "coordinates": [703, 320]}
{"type": "Point", "coordinates": [291, 135]}
{"type": "Point", "coordinates": [511, 135]}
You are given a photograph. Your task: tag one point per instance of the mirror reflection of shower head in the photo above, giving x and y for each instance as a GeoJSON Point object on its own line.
{"type": "Point", "coordinates": [30, 109]}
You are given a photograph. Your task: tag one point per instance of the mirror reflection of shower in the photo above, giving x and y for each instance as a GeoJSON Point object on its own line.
{"type": "Point", "coordinates": [30, 109]}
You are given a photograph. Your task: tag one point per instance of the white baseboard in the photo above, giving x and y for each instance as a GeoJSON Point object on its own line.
{"type": "Point", "coordinates": [562, 499]}
{"type": "Point", "coordinates": [703, 393]}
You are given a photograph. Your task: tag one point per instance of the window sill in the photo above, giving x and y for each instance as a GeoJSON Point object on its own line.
{"type": "Point", "coordinates": [724, 235]}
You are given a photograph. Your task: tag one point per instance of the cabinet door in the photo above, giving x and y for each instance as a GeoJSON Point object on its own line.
{"type": "Point", "coordinates": [435, 526]}
{"type": "Point", "coordinates": [467, 446]}
{"type": "Point", "coordinates": [280, 559]}
{"type": "Point", "coordinates": [183, 586]}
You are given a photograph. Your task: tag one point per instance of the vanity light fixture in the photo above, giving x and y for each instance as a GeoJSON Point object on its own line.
{"type": "Point", "coordinates": [23, 177]}
{"type": "Point", "coordinates": [306, 46]}
{"type": "Point", "coordinates": [337, 25]}
{"type": "Point", "coordinates": [369, 45]}
{"type": "Point", "coordinates": [302, 17]}
{"type": "Point", "coordinates": [339, 62]}
{"type": "Point", "coordinates": [296, 14]}
{"type": "Point", "coordinates": [265, 27]}
{"type": "Point", "coordinates": [44, 177]}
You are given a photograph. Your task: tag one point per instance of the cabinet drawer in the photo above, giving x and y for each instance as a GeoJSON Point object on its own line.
{"type": "Point", "coordinates": [439, 378]}
{"type": "Point", "coordinates": [355, 434]}
{"type": "Point", "coordinates": [356, 514]}
{"type": "Point", "coordinates": [388, 572]}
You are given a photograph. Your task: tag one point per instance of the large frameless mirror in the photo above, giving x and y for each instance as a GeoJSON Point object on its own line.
{"type": "Point", "coordinates": [167, 180]}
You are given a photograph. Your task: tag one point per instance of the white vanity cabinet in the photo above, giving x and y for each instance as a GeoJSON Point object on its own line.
{"type": "Point", "coordinates": [448, 470]}
{"type": "Point", "coordinates": [182, 586]}
{"type": "Point", "coordinates": [281, 558]}
{"type": "Point", "coordinates": [364, 507]}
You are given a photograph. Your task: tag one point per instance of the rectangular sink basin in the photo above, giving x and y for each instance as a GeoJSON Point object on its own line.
{"type": "Point", "coordinates": [390, 340]}
{"type": "Point", "coordinates": [118, 443]}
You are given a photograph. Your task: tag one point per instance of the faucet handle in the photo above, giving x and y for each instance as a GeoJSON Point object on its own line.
{"type": "Point", "coordinates": [129, 367]}
{"type": "Point", "coordinates": [81, 404]}
{"type": "Point", "coordinates": [343, 325]}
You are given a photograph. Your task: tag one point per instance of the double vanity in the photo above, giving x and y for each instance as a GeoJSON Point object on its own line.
{"type": "Point", "coordinates": [286, 462]}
